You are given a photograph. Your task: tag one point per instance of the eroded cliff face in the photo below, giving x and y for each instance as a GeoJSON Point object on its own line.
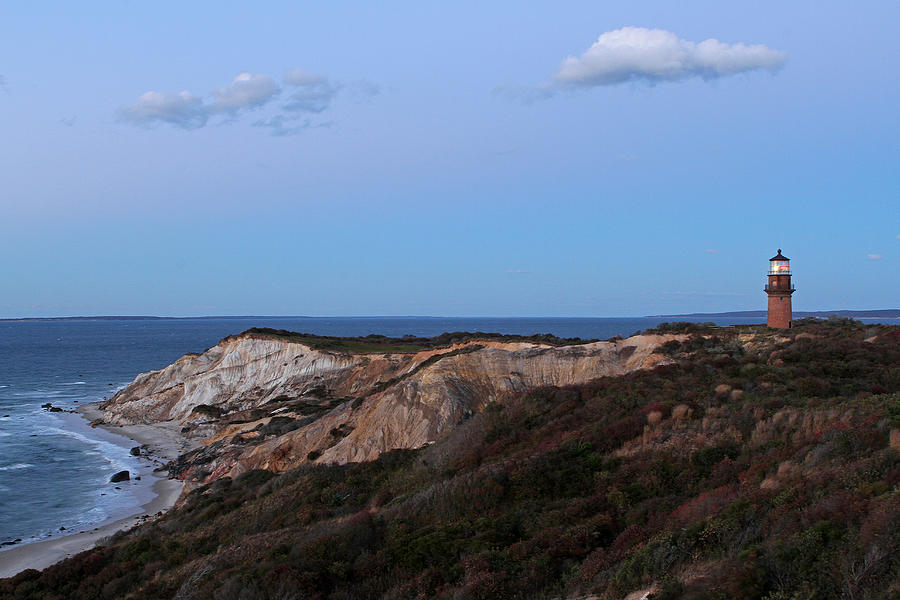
{"type": "Point", "coordinates": [271, 403]}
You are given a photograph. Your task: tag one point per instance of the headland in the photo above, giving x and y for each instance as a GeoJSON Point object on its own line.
{"type": "Point", "coordinates": [688, 459]}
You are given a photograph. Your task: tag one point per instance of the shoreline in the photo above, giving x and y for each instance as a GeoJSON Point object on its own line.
{"type": "Point", "coordinates": [161, 442]}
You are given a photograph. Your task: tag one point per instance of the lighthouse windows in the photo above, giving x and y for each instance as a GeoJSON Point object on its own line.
{"type": "Point", "coordinates": [779, 267]}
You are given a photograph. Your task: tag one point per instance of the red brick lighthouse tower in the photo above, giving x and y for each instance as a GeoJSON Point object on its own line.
{"type": "Point", "coordinates": [779, 290]}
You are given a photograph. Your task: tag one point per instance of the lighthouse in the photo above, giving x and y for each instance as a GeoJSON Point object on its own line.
{"type": "Point", "coordinates": [779, 290]}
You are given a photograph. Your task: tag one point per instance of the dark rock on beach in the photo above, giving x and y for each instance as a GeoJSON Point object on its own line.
{"type": "Point", "coordinates": [136, 451]}
{"type": "Point", "coordinates": [120, 476]}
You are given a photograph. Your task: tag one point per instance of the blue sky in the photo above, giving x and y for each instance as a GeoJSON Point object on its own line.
{"type": "Point", "coordinates": [548, 159]}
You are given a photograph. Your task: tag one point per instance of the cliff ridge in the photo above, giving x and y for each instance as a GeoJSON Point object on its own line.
{"type": "Point", "coordinates": [275, 402]}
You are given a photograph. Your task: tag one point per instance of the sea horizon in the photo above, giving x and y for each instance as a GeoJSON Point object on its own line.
{"type": "Point", "coordinates": [859, 313]}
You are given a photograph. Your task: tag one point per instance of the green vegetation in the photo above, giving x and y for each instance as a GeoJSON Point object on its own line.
{"type": "Point", "coordinates": [757, 470]}
{"type": "Point", "coordinates": [407, 344]}
{"type": "Point", "coordinates": [683, 327]}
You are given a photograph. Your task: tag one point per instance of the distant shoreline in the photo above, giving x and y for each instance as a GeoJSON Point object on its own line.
{"type": "Point", "coordinates": [147, 318]}
{"type": "Point", "coordinates": [235, 317]}
{"type": "Point", "coordinates": [887, 313]}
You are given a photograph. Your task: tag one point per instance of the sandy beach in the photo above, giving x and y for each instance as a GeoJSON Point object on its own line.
{"type": "Point", "coordinates": [161, 443]}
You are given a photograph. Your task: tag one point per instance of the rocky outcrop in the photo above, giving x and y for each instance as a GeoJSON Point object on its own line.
{"type": "Point", "coordinates": [120, 476]}
{"type": "Point", "coordinates": [264, 402]}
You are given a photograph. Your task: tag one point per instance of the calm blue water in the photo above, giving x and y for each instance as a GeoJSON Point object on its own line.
{"type": "Point", "coordinates": [54, 471]}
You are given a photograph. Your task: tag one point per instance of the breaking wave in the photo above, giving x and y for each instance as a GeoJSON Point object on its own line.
{"type": "Point", "coordinates": [16, 466]}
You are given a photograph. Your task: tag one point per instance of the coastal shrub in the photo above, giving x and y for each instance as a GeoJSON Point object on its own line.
{"type": "Point", "coordinates": [206, 410]}
{"type": "Point", "coordinates": [405, 344]}
{"type": "Point", "coordinates": [253, 478]}
{"type": "Point", "coordinates": [705, 459]}
{"type": "Point", "coordinates": [278, 426]}
{"type": "Point", "coordinates": [670, 588]}
{"type": "Point", "coordinates": [563, 493]}
{"type": "Point", "coordinates": [682, 327]}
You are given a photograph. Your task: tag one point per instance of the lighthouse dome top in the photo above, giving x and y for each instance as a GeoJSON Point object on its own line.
{"type": "Point", "coordinates": [779, 256]}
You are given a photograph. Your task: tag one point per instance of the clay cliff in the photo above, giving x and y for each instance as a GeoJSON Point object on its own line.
{"type": "Point", "coordinates": [270, 402]}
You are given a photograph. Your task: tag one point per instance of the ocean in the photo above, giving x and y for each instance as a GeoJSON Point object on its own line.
{"type": "Point", "coordinates": [55, 469]}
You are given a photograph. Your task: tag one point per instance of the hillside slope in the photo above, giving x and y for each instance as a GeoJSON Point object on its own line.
{"type": "Point", "coordinates": [752, 465]}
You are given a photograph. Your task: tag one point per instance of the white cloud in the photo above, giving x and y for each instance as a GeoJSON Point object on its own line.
{"type": "Point", "coordinates": [656, 55]}
{"type": "Point", "coordinates": [712, 251]}
{"type": "Point", "coordinates": [639, 54]}
{"type": "Point", "coordinates": [245, 92]}
{"type": "Point", "coordinates": [874, 256]}
{"type": "Point", "coordinates": [314, 93]}
{"type": "Point", "coordinates": [518, 271]}
{"type": "Point", "coordinates": [182, 110]}
{"type": "Point", "coordinates": [187, 111]}
{"type": "Point", "coordinates": [311, 95]}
